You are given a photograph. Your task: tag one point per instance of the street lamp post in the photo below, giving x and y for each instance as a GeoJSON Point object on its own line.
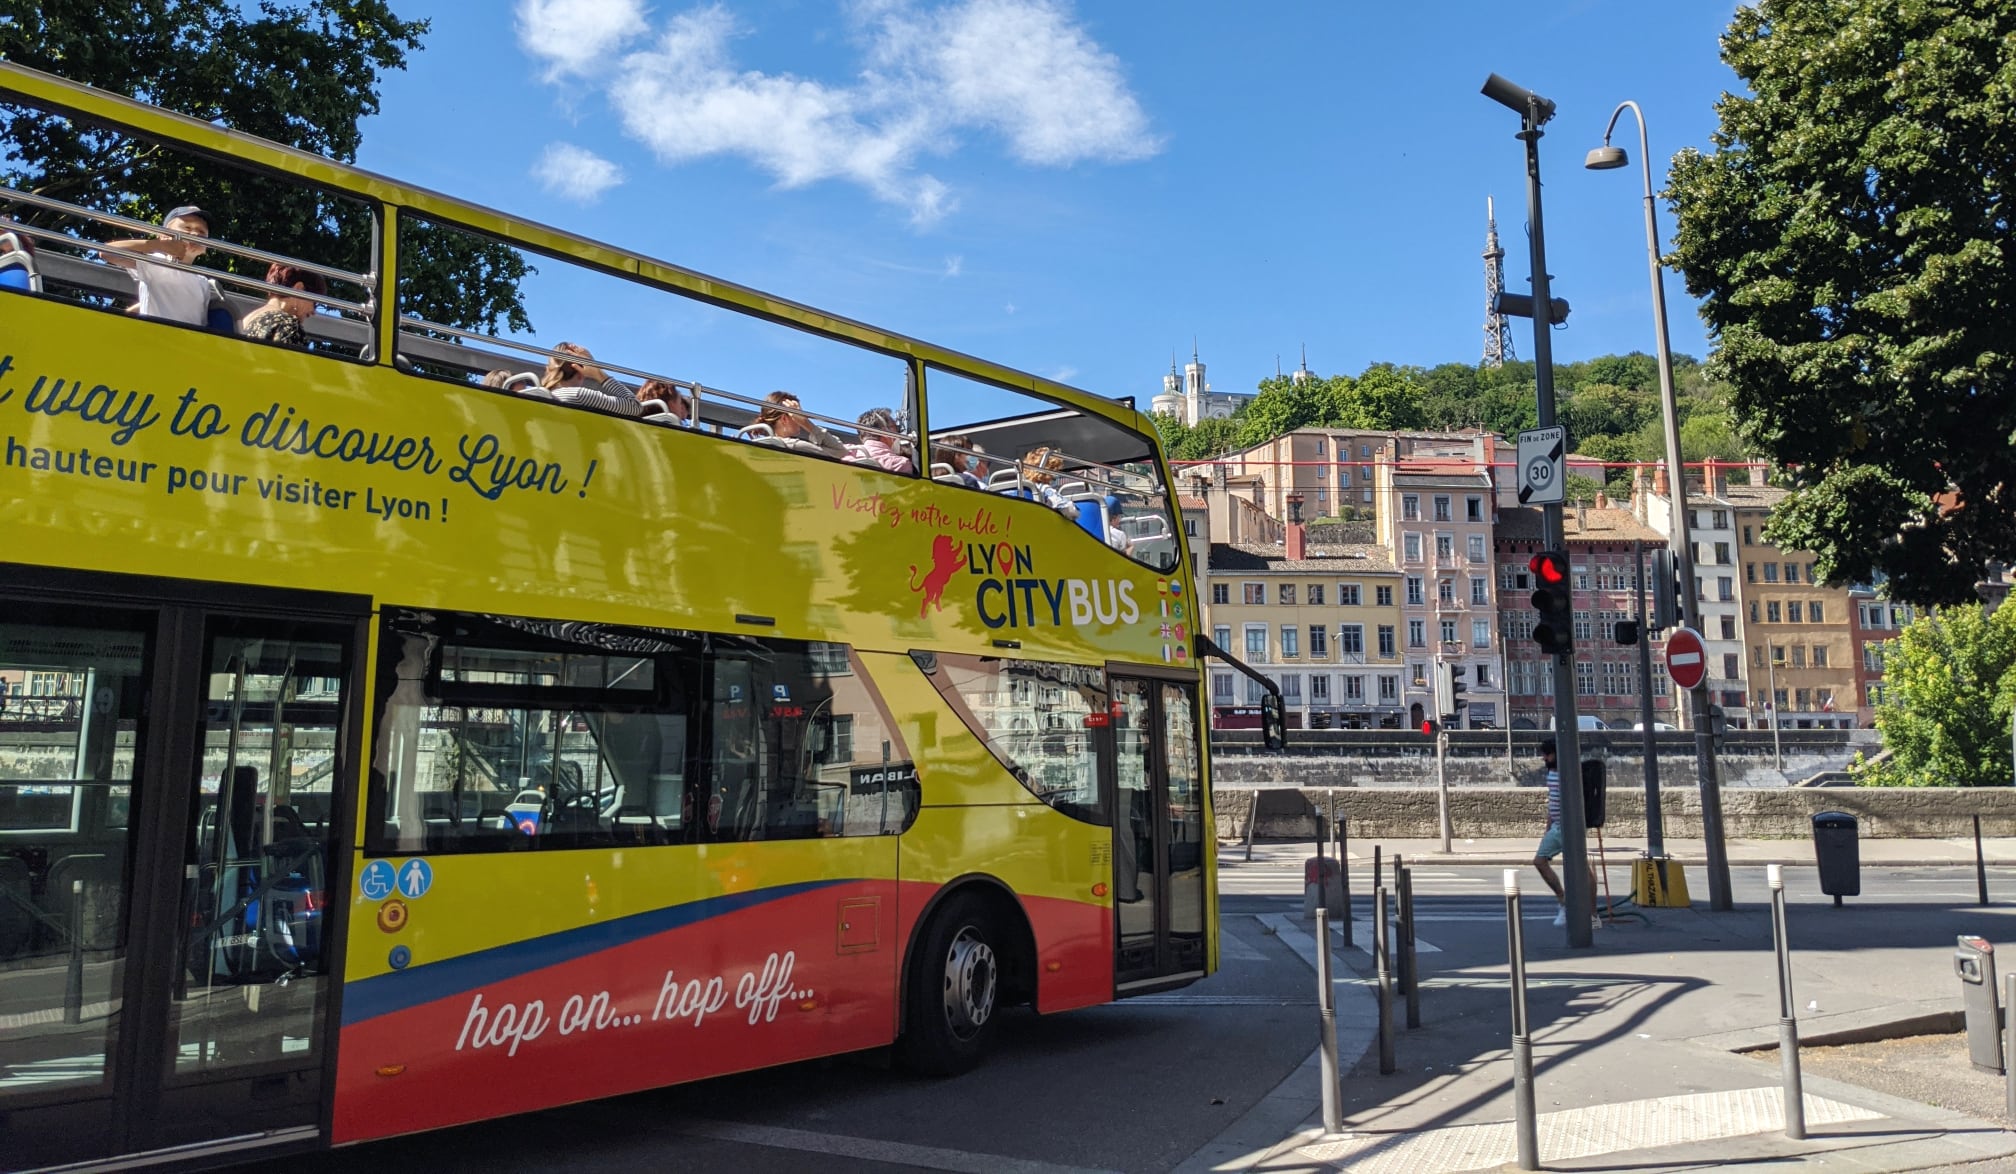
{"type": "Point", "coordinates": [1604, 158]}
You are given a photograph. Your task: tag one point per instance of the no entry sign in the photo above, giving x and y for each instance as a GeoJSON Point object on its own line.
{"type": "Point", "coordinates": [1686, 661]}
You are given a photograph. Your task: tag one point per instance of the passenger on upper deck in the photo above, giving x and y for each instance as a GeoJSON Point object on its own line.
{"type": "Point", "coordinates": [881, 449]}
{"type": "Point", "coordinates": [785, 422]}
{"type": "Point", "coordinates": [957, 452]}
{"type": "Point", "coordinates": [280, 319]}
{"type": "Point", "coordinates": [1039, 470]}
{"type": "Point", "coordinates": [675, 400]}
{"type": "Point", "coordinates": [168, 293]}
{"type": "Point", "coordinates": [583, 383]}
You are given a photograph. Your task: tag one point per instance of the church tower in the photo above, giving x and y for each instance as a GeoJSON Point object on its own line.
{"type": "Point", "coordinates": [1195, 391]}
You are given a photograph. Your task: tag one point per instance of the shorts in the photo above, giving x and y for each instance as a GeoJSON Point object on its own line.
{"type": "Point", "coordinates": [1550, 844]}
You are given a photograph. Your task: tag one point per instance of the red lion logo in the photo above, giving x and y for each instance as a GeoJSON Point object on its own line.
{"type": "Point", "coordinates": [944, 563]}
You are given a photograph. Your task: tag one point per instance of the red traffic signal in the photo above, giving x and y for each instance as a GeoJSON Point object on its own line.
{"type": "Point", "coordinates": [1554, 601]}
{"type": "Point", "coordinates": [1428, 726]}
{"type": "Point", "coordinates": [1550, 568]}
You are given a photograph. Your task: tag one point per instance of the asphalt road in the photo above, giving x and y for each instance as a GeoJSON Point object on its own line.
{"type": "Point", "coordinates": [1137, 1086]}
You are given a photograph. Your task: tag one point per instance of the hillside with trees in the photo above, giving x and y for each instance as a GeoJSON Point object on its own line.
{"type": "Point", "coordinates": [1610, 406]}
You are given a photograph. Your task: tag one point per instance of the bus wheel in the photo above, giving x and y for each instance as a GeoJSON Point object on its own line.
{"type": "Point", "coordinates": [955, 992]}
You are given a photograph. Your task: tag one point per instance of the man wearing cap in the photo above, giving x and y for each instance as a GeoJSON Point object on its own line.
{"type": "Point", "coordinates": [168, 293]}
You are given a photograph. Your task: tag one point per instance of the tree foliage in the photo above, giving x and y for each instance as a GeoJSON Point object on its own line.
{"type": "Point", "coordinates": [1948, 684]}
{"type": "Point", "coordinates": [304, 74]}
{"type": "Point", "coordinates": [1850, 234]}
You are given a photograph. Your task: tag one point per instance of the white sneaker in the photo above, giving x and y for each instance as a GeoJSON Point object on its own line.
{"type": "Point", "coordinates": [1561, 916]}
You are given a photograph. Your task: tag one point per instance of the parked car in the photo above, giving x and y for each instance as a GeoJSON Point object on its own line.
{"type": "Point", "coordinates": [1656, 726]}
{"type": "Point", "coordinates": [1585, 721]}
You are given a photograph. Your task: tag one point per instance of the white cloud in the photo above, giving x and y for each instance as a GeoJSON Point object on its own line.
{"type": "Point", "coordinates": [575, 173]}
{"type": "Point", "coordinates": [955, 265]}
{"type": "Point", "coordinates": [1020, 69]}
{"type": "Point", "coordinates": [573, 37]}
{"type": "Point", "coordinates": [1010, 307]}
{"type": "Point", "coordinates": [1064, 374]}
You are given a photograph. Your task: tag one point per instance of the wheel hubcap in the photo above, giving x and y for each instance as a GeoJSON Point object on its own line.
{"type": "Point", "coordinates": [969, 984]}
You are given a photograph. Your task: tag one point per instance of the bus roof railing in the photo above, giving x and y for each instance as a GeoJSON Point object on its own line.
{"type": "Point", "coordinates": [57, 95]}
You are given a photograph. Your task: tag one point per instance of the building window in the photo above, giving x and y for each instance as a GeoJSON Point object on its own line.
{"type": "Point", "coordinates": [1477, 556]}
{"type": "Point", "coordinates": [1791, 572]}
{"type": "Point", "coordinates": [1753, 611]}
{"type": "Point", "coordinates": [1728, 627]}
{"type": "Point", "coordinates": [1256, 642]}
{"type": "Point", "coordinates": [1190, 527]}
{"type": "Point", "coordinates": [1445, 592]}
{"type": "Point", "coordinates": [1483, 673]}
{"type": "Point", "coordinates": [1386, 649]}
{"type": "Point", "coordinates": [1746, 536]}
{"type": "Point", "coordinates": [1584, 630]}
{"type": "Point", "coordinates": [1792, 607]}
{"type": "Point", "coordinates": [1749, 572]}
{"type": "Point", "coordinates": [1319, 642]}
{"type": "Point", "coordinates": [1442, 508]}
{"type": "Point", "coordinates": [1410, 508]}
{"type": "Point", "coordinates": [1480, 589]}
{"type": "Point", "coordinates": [1770, 572]}
{"type": "Point", "coordinates": [1221, 593]}
{"type": "Point", "coordinates": [1221, 688]}
{"type": "Point", "coordinates": [1315, 595]}
{"type": "Point", "coordinates": [1384, 596]}
{"type": "Point", "coordinates": [1872, 657]}
{"type": "Point", "coordinates": [1819, 656]}
{"type": "Point", "coordinates": [1253, 691]}
{"type": "Point", "coordinates": [1778, 655]}
{"type": "Point", "coordinates": [1410, 547]}
{"type": "Point", "coordinates": [1448, 631]}
{"type": "Point", "coordinates": [1473, 509]}
{"type": "Point", "coordinates": [1826, 699]}
{"type": "Point", "coordinates": [1351, 640]}
{"type": "Point", "coordinates": [1772, 613]}
{"type": "Point", "coordinates": [1417, 633]}
{"type": "Point", "coordinates": [1614, 683]}
{"type": "Point", "coordinates": [1416, 596]}
{"type": "Point", "coordinates": [1722, 557]}
{"type": "Point", "coordinates": [1354, 690]}
{"type": "Point", "coordinates": [1805, 699]}
{"type": "Point", "coordinates": [1389, 689]}
{"type": "Point", "coordinates": [1585, 678]}
{"type": "Point", "coordinates": [1221, 635]}
{"type": "Point", "coordinates": [1725, 588]}
{"type": "Point", "coordinates": [1348, 595]}
{"type": "Point", "coordinates": [1343, 477]}
{"type": "Point", "coordinates": [1319, 688]}
{"type": "Point", "coordinates": [1420, 673]}
{"type": "Point", "coordinates": [1287, 595]}
{"type": "Point", "coordinates": [1253, 593]}
{"type": "Point", "coordinates": [1291, 642]}
{"type": "Point", "coordinates": [1798, 656]}
{"type": "Point", "coordinates": [1732, 665]}
{"type": "Point", "coordinates": [1291, 688]}
{"type": "Point", "coordinates": [1319, 448]}
{"type": "Point", "coordinates": [1480, 634]}
{"type": "Point", "coordinates": [1721, 520]}
{"type": "Point", "coordinates": [1813, 613]}
{"type": "Point", "coordinates": [1445, 547]}
{"type": "Point", "coordinates": [1757, 656]}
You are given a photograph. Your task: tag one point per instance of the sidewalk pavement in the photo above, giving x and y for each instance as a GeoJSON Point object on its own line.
{"type": "Point", "coordinates": [1646, 1045]}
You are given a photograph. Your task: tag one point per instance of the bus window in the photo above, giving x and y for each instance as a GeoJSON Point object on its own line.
{"type": "Point", "coordinates": [1098, 473]}
{"type": "Point", "coordinates": [502, 734]}
{"type": "Point", "coordinates": [802, 746]}
{"type": "Point", "coordinates": [71, 691]}
{"type": "Point", "coordinates": [1036, 717]}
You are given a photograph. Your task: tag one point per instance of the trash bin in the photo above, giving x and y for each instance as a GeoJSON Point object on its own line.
{"type": "Point", "coordinates": [1838, 853]}
{"type": "Point", "coordinates": [1974, 962]}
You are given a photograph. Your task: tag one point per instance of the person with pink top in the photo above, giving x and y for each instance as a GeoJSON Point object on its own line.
{"type": "Point", "coordinates": [881, 449]}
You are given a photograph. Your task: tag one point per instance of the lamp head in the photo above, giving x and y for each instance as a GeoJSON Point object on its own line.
{"type": "Point", "coordinates": [1606, 158]}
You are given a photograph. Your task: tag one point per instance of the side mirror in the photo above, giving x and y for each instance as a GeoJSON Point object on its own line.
{"type": "Point", "coordinates": [1273, 726]}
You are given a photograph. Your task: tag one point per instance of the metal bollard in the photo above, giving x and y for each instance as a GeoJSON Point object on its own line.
{"type": "Point", "coordinates": [1326, 1002]}
{"type": "Point", "coordinates": [1344, 875]}
{"type": "Point", "coordinates": [1401, 979]}
{"type": "Point", "coordinates": [1410, 963]}
{"type": "Point", "coordinates": [1252, 821]}
{"type": "Point", "coordinates": [2009, 1047]}
{"type": "Point", "coordinates": [73, 988]}
{"type": "Point", "coordinates": [1382, 957]}
{"type": "Point", "coordinates": [1378, 867]}
{"type": "Point", "coordinates": [1980, 862]}
{"type": "Point", "coordinates": [1788, 1024]}
{"type": "Point", "coordinates": [1525, 1120]}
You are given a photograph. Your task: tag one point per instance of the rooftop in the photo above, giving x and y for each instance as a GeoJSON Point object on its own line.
{"type": "Point", "coordinates": [1611, 524]}
{"type": "Point", "coordinates": [1753, 496]}
{"type": "Point", "coordinates": [1345, 558]}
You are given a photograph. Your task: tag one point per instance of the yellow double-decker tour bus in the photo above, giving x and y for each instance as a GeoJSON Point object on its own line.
{"type": "Point", "coordinates": [403, 725]}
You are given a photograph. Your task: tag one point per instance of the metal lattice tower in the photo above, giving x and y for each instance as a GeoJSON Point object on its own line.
{"type": "Point", "coordinates": [1497, 339]}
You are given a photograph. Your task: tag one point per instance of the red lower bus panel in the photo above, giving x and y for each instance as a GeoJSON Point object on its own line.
{"type": "Point", "coordinates": [1074, 953]}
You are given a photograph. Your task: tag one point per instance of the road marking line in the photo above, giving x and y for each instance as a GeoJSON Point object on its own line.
{"type": "Point", "coordinates": [894, 1152]}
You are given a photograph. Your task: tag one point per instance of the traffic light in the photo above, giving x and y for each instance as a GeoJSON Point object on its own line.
{"type": "Point", "coordinates": [1449, 690]}
{"type": "Point", "coordinates": [1627, 631]}
{"type": "Point", "coordinates": [1666, 595]}
{"type": "Point", "coordinates": [1555, 601]}
{"type": "Point", "coordinates": [1428, 727]}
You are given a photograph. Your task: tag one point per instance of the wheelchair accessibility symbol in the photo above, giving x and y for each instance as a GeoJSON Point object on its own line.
{"type": "Point", "coordinates": [376, 881]}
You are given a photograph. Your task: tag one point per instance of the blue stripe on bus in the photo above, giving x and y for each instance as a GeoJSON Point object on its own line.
{"type": "Point", "coordinates": [402, 990]}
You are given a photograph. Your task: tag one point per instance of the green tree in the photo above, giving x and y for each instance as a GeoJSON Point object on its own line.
{"type": "Point", "coordinates": [1947, 688]}
{"type": "Point", "coordinates": [1582, 489]}
{"type": "Point", "coordinates": [304, 74]}
{"type": "Point", "coordinates": [1383, 396]}
{"type": "Point", "coordinates": [1849, 235]}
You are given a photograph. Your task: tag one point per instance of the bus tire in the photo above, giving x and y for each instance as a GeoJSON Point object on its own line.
{"type": "Point", "coordinates": [953, 1002]}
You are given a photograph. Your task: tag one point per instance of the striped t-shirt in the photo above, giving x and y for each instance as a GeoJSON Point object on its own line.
{"type": "Point", "coordinates": [1553, 798]}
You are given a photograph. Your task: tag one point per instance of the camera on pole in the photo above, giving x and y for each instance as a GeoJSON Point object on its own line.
{"type": "Point", "coordinates": [1554, 599]}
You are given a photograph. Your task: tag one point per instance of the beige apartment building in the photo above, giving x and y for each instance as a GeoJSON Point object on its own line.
{"type": "Point", "coordinates": [1435, 521]}
{"type": "Point", "coordinates": [1321, 619]}
{"type": "Point", "coordinates": [1801, 634]}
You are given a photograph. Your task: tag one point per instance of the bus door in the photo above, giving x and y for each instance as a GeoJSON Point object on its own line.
{"type": "Point", "coordinates": [174, 805]}
{"type": "Point", "coordinates": [1158, 833]}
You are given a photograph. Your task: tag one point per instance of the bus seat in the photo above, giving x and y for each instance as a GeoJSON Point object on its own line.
{"type": "Point", "coordinates": [17, 271]}
{"type": "Point", "coordinates": [756, 432]}
{"type": "Point", "coordinates": [1092, 518]}
{"type": "Point", "coordinates": [1008, 480]}
{"type": "Point", "coordinates": [522, 382]}
{"type": "Point", "coordinates": [219, 317]}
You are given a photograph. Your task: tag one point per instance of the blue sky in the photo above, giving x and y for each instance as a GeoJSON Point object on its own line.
{"type": "Point", "coordinates": [1074, 189]}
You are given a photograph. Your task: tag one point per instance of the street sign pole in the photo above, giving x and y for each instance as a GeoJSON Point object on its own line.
{"type": "Point", "coordinates": [1579, 900]}
{"type": "Point", "coordinates": [1655, 819]}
